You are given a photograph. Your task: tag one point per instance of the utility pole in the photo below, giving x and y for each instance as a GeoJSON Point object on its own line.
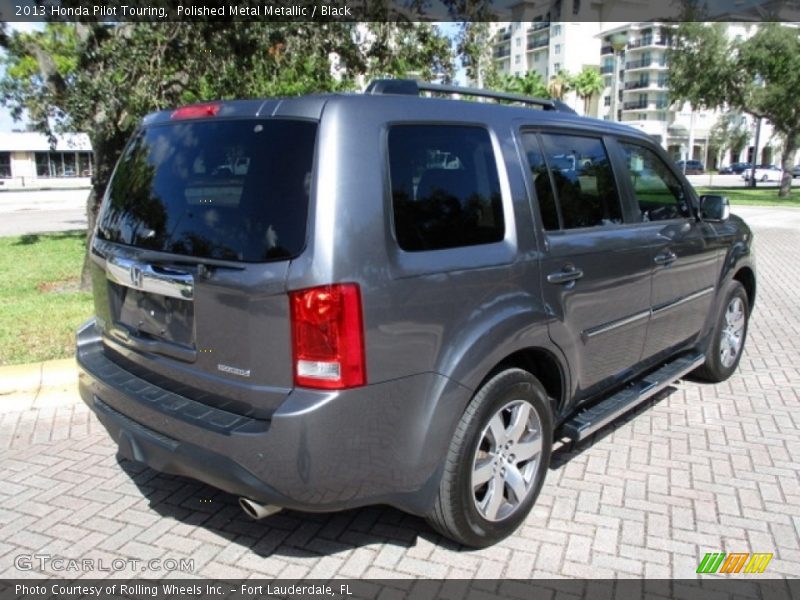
{"type": "Point", "coordinates": [755, 153]}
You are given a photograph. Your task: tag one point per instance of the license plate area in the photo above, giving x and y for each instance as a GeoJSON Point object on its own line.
{"type": "Point", "coordinates": [156, 316]}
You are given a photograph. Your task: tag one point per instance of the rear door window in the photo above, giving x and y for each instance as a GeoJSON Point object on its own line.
{"type": "Point", "coordinates": [233, 190]}
{"type": "Point", "coordinates": [445, 187]}
{"type": "Point", "coordinates": [582, 181]}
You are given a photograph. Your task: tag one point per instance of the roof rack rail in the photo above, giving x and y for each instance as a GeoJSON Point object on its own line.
{"type": "Point", "coordinates": [412, 87]}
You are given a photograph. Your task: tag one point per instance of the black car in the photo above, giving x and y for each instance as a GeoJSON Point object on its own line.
{"type": "Point", "coordinates": [693, 167]}
{"type": "Point", "coordinates": [735, 169]}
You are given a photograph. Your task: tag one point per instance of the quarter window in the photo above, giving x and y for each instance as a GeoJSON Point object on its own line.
{"type": "Point", "coordinates": [658, 191]}
{"type": "Point", "coordinates": [445, 188]}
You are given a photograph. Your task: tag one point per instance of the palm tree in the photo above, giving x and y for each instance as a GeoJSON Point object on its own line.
{"type": "Point", "coordinates": [560, 84]}
{"type": "Point", "coordinates": [587, 83]}
{"type": "Point", "coordinates": [529, 84]}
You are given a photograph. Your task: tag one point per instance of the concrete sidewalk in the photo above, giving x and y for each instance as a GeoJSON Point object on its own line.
{"type": "Point", "coordinates": [38, 385]}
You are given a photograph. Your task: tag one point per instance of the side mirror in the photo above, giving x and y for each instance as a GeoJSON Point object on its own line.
{"type": "Point", "coordinates": [715, 208]}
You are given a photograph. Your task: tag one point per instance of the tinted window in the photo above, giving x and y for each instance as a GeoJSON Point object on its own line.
{"type": "Point", "coordinates": [235, 190]}
{"type": "Point", "coordinates": [445, 189]}
{"type": "Point", "coordinates": [541, 181]}
{"type": "Point", "coordinates": [658, 191]}
{"type": "Point", "coordinates": [584, 182]}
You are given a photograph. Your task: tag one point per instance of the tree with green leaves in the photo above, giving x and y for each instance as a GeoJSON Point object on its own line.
{"type": "Point", "coordinates": [729, 132]}
{"type": "Point", "coordinates": [529, 84]}
{"type": "Point", "coordinates": [587, 84]}
{"type": "Point", "coordinates": [102, 78]}
{"type": "Point", "coordinates": [560, 84]}
{"type": "Point", "coordinates": [759, 76]}
{"type": "Point", "coordinates": [474, 45]}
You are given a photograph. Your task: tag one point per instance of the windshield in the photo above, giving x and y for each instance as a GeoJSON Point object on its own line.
{"type": "Point", "coordinates": [232, 190]}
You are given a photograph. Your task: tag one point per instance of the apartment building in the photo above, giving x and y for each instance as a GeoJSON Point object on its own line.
{"type": "Point", "coordinates": [635, 67]}
{"type": "Point", "coordinates": [546, 47]}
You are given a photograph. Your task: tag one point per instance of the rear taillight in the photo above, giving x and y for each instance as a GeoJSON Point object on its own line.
{"type": "Point", "coordinates": [196, 111]}
{"type": "Point", "coordinates": [328, 337]}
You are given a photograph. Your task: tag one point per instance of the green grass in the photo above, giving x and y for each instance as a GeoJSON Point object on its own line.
{"type": "Point", "coordinates": [758, 196]}
{"type": "Point", "coordinates": [40, 304]}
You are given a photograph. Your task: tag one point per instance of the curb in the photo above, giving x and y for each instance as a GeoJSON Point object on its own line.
{"type": "Point", "coordinates": [36, 385]}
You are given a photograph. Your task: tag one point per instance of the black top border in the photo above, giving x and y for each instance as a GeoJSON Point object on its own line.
{"type": "Point", "coordinates": [610, 11]}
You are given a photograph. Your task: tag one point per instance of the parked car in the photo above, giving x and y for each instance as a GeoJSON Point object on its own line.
{"type": "Point", "coordinates": [764, 173]}
{"type": "Point", "coordinates": [693, 167]}
{"type": "Point", "coordinates": [796, 171]}
{"type": "Point", "coordinates": [735, 168]}
{"type": "Point", "coordinates": [354, 320]}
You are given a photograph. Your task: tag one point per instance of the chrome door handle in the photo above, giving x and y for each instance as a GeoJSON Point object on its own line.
{"type": "Point", "coordinates": [665, 258]}
{"type": "Point", "coordinates": [565, 275]}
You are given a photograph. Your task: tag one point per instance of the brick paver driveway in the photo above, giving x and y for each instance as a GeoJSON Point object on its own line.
{"type": "Point", "coordinates": [700, 469]}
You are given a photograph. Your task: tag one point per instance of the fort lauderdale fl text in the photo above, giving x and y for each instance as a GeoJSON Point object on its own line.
{"type": "Point", "coordinates": [143, 589]}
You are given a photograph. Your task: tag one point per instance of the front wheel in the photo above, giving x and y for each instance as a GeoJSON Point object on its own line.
{"type": "Point", "coordinates": [497, 461]}
{"type": "Point", "coordinates": [727, 339]}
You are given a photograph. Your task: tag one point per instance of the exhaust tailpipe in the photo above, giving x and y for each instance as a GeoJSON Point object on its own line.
{"type": "Point", "coordinates": [256, 510]}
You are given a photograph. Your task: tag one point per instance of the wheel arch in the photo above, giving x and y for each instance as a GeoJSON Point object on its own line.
{"type": "Point", "coordinates": [747, 278]}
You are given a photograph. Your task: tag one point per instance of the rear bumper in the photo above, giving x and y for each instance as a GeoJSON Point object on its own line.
{"type": "Point", "coordinates": [319, 451]}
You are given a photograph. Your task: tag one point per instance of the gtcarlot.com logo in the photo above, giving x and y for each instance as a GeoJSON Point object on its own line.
{"type": "Point", "coordinates": [741, 562]}
{"type": "Point", "coordinates": [48, 562]}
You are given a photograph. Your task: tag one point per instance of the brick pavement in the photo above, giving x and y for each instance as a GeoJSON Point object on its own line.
{"type": "Point", "coordinates": [699, 469]}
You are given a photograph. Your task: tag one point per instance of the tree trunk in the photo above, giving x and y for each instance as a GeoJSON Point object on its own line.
{"type": "Point", "coordinates": [105, 155]}
{"type": "Point", "coordinates": [787, 163]}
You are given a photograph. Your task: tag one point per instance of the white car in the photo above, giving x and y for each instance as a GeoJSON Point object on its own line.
{"type": "Point", "coordinates": [771, 173]}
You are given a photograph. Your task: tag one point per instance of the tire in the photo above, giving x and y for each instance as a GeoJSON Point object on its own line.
{"type": "Point", "coordinates": [727, 339]}
{"type": "Point", "coordinates": [487, 446]}
{"type": "Point", "coordinates": [764, 177]}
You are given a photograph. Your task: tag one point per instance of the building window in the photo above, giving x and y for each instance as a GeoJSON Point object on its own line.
{"type": "Point", "coordinates": [558, 48]}
{"type": "Point", "coordinates": [607, 101]}
{"type": "Point", "coordinates": [519, 42]}
{"type": "Point", "coordinates": [5, 165]}
{"type": "Point", "coordinates": [63, 164]}
{"type": "Point", "coordinates": [557, 30]}
{"type": "Point", "coordinates": [516, 59]}
{"type": "Point", "coordinates": [556, 67]}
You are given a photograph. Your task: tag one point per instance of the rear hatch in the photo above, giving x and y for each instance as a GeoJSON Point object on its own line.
{"type": "Point", "coordinates": [191, 254]}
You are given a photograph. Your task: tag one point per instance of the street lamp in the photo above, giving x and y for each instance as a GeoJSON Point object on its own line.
{"type": "Point", "coordinates": [618, 43]}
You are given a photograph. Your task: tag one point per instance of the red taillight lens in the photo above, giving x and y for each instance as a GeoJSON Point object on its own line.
{"type": "Point", "coordinates": [196, 111]}
{"type": "Point", "coordinates": [328, 337]}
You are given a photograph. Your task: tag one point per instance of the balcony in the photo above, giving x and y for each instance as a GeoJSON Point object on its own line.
{"type": "Point", "coordinates": [637, 85]}
{"type": "Point", "coordinates": [502, 52]}
{"type": "Point", "coordinates": [539, 25]}
{"type": "Point", "coordinates": [647, 63]}
{"type": "Point", "coordinates": [606, 70]}
{"type": "Point", "coordinates": [606, 49]}
{"type": "Point", "coordinates": [638, 105]}
{"type": "Point", "coordinates": [539, 43]}
{"type": "Point", "coordinates": [504, 36]}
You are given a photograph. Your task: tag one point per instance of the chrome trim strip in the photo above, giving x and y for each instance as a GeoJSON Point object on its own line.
{"type": "Point", "coordinates": [684, 300]}
{"type": "Point", "coordinates": [144, 277]}
{"type": "Point", "coordinates": [599, 330]}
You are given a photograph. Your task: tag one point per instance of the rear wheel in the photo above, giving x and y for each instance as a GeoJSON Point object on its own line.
{"type": "Point", "coordinates": [497, 461]}
{"type": "Point", "coordinates": [727, 340]}
{"type": "Point", "coordinates": [764, 177]}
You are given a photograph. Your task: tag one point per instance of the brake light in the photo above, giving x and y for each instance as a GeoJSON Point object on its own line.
{"type": "Point", "coordinates": [328, 337]}
{"type": "Point", "coordinates": [196, 111]}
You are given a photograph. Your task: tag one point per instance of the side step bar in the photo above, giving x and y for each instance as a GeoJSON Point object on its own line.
{"type": "Point", "coordinates": [586, 422]}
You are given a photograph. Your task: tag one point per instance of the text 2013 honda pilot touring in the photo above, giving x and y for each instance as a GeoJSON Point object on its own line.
{"type": "Point", "coordinates": [339, 300]}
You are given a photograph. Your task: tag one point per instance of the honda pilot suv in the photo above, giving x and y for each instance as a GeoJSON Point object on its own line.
{"type": "Point", "coordinates": [332, 301]}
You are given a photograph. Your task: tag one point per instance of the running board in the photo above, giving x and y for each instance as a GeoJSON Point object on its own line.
{"type": "Point", "coordinates": [586, 422]}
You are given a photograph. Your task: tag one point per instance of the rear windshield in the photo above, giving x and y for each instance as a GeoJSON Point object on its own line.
{"type": "Point", "coordinates": [233, 190]}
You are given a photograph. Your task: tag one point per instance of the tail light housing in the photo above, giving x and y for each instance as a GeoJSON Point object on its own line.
{"type": "Point", "coordinates": [328, 337]}
{"type": "Point", "coordinates": [196, 111]}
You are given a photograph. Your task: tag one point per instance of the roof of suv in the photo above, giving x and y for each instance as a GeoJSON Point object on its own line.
{"type": "Point", "coordinates": [311, 107]}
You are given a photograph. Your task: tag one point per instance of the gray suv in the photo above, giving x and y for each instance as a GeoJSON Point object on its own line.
{"type": "Point", "coordinates": [332, 301]}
